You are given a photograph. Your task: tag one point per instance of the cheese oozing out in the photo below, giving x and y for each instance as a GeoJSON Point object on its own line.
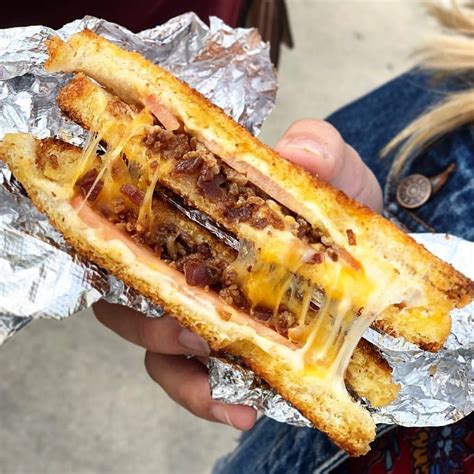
{"type": "Point", "coordinates": [113, 172]}
{"type": "Point", "coordinates": [348, 299]}
{"type": "Point", "coordinates": [331, 316]}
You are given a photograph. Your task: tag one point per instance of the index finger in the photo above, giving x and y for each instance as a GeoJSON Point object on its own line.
{"type": "Point", "coordinates": [162, 335]}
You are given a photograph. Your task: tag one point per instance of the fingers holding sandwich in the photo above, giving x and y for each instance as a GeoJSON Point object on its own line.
{"type": "Point", "coordinates": [184, 380]}
{"type": "Point", "coordinates": [319, 148]}
{"type": "Point", "coordinates": [161, 335]}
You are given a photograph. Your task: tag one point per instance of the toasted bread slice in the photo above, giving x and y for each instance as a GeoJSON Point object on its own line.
{"type": "Point", "coordinates": [368, 374]}
{"type": "Point", "coordinates": [96, 110]}
{"type": "Point", "coordinates": [268, 354]}
{"type": "Point", "coordinates": [431, 287]}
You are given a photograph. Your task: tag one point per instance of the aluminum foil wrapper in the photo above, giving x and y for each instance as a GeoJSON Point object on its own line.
{"type": "Point", "coordinates": [41, 277]}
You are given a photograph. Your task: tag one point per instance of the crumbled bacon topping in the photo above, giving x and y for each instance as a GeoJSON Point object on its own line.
{"type": "Point", "coordinates": [351, 238]}
{"type": "Point", "coordinates": [200, 273]}
{"type": "Point", "coordinates": [86, 184]}
{"type": "Point", "coordinates": [262, 314]}
{"type": "Point", "coordinates": [317, 257]}
{"type": "Point", "coordinates": [133, 193]}
{"type": "Point", "coordinates": [190, 164]}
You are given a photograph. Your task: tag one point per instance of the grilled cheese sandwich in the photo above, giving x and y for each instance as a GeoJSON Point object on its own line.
{"type": "Point", "coordinates": [311, 271]}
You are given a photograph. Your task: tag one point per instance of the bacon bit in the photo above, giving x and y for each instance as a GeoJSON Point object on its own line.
{"type": "Point", "coordinates": [117, 205]}
{"type": "Point", "coordinates": [163, 114]}
{"type": "Point", "coordinates": [211, 189]}
{"type": "Point", "coordinates": [351, 238]}
{"type": "Point", "coordinates": [224, 315]}
{"type": "Point", "coordinates": [316, 258]}
{"type": "Point", "coordinates": [242, 213]}
{"type": "Point", "coordinates": [199, 274]}
{"type": "Point", "coordinates": [401, 305]}
{"type": "Point", "coordinates": [260, 223]}
{"type": "Point", "coordinates": [210, 185]}
{"type": "Point", "coordinates": [263, 315]}
{"type": "Point", "coordinates": [345, 255]}
{"type": "Point", "coordinates": [232, 295]}
{"type": "Point", "coordinates": [275, 221]}
{"type": "Point", "coordinates": [133, 193]}
{"type": "Point", "coordinates": [119, 169]}
{"type": "Point", "coordinates": [189, 166]}
{"type": "Point", "coordinates": [85, 183]}
{"type": "Point", "coordinates": [333, 255]}
{"type": "Point", "coordinates": [204, 249]}
{"type": "Point", "coordinates": [285, 320]}
{"type": "Point", "coordinates": [230, 276]}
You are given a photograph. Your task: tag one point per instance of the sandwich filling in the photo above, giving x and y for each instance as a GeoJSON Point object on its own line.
{"type": "Point", "coordinates": [265, 275]}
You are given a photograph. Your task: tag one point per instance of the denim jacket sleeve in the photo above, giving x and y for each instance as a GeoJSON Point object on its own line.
{"type": "Point", "coordinates": [369, 123]}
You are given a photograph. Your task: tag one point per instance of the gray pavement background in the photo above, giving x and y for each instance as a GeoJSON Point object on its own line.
{"type": "Point", "coordinates": [76, 399]}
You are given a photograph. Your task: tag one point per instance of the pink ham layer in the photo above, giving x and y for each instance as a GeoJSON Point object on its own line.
{"type": "Point", "coordinates": [109, 231]}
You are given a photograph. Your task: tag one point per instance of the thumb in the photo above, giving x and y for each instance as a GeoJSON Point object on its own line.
{"type": "Point", "coordinates": [319, 148]}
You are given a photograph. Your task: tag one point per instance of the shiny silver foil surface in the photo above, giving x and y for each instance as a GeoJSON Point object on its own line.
{"type": "Point", "coordinates": [40, 276]}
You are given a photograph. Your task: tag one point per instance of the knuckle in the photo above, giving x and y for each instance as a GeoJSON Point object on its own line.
{"type": "Point", "coordinates": [193, 401]}
{"type": "Point", "coordinates": [304, 124]}
{"type": "Point", "coordinates": [148, 334]}
{"type": "Point", "coordinates": [329, 130]}
{"type": "Point", "coordinates": [317, 127]}
{"type": "Point", "coordinates": [194, 395]}
{"type": "Point", "coordinates": [149, 363]}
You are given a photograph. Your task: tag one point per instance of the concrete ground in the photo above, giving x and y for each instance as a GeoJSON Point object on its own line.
{"type": "Point", "coordinates": [76, 399]}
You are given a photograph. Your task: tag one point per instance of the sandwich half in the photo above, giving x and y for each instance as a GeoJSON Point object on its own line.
{"type": "Point", "coordinates": [251, 252]}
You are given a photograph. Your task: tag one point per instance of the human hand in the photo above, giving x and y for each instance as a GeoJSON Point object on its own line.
{"type": "Point", "coordinates": [314, 145]}
{"type": "Point", "coordinates": [319, 148]}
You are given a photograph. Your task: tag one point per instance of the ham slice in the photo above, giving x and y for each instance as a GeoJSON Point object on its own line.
{"type": "Point", "coordinates": [163, 114]}
{"type": "Point", "coordinates": [109, 231]}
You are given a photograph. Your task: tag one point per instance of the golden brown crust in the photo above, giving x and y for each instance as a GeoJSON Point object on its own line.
{"type": "Point", "coordinates": [331, 410]}
{"type": "Point", "coordinates": [364, 379]}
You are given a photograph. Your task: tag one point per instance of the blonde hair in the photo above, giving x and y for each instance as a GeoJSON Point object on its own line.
{"type": "Point", "coordinates": [449, 53]}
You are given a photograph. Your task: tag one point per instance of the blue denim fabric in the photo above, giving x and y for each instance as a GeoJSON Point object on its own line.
{"type": "Point", "coordinates": [368, 124]}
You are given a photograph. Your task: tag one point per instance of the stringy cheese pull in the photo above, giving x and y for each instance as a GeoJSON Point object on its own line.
{"type": "Point", "coordinates": [267, 272]}
{"type": "Point", "coordinates": [328, 333]}
{"type": "Point", "coordinates": [113, 172]}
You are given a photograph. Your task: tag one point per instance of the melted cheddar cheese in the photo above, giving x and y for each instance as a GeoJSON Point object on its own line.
{"type": "Point", "coordinates": [268, 276]}
{"type": "Point", "coordinates": [113, 171]}
{"type": "Point", "coordinates": [331, 316]}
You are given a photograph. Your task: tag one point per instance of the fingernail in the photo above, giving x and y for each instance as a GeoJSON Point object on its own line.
{"type": "Point", "coordinates": [220, 414]}
{"type": "Point", "coordinates": [193, 342]}
{"type": "Point", "coordinates": [301, 143]}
